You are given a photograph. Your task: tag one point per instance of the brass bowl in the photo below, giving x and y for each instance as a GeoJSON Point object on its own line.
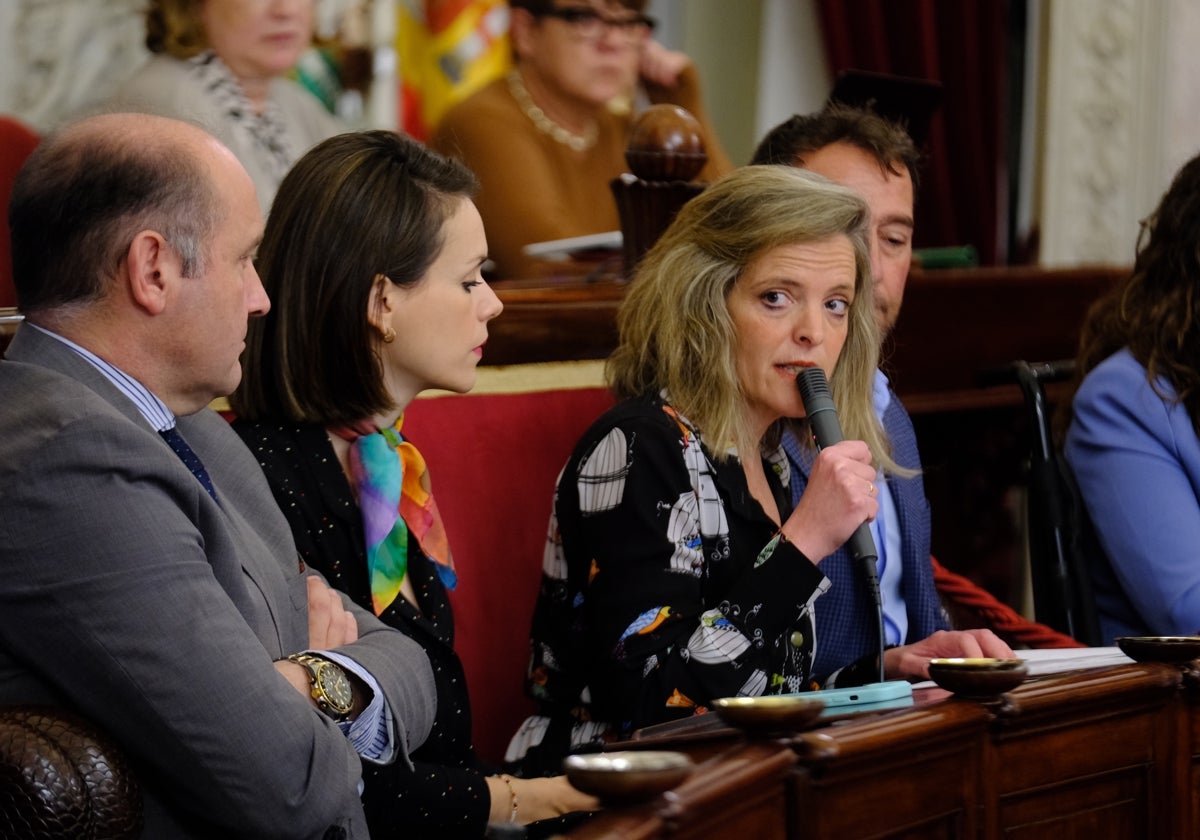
{"type": "Point", "coordinates": [628, 776]}
{"type": "Point", "coordinates": [764, 715]}
{"type": "Point", "coordinates": [978, 678]}
{"type": "Point", "coordinates": [1174, 650]}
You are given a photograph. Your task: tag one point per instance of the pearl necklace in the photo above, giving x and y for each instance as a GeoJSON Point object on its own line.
{"type": "Point", "coordinates": [578, 142]}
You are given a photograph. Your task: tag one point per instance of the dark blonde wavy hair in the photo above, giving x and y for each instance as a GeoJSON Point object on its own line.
{"type": "Point", "coordinates": [1156, 311]}
{"type": "Point", "coordinates": [676, 333]}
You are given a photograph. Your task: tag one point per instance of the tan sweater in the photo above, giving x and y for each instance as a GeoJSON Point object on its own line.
{"type": "Point", "coordinates": [535, 189]}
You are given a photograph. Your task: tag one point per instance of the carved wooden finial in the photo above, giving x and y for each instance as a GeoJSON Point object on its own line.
{"type": "Point", "coordinates": [665, 150]}
{"type": "Point", "coordinates": [666, 144]}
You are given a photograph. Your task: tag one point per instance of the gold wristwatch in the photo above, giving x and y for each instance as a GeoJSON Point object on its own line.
{"type": "Point", "coordinates": [329, 683]}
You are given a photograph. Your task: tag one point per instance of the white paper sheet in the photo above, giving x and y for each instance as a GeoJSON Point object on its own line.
{"type": "Point", "coordinates": [1042, 661]}
{"type": "Point", "coordinates": [561, 249]}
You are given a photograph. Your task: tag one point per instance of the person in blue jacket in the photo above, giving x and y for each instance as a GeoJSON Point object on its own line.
{"type": "Point", "coordinates": [1132, 441]}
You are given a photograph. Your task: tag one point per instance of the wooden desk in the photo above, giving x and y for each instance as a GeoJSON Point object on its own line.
{"type": "Point", "coordinates": [956, 324]}
{"type": "Point", "coordinates": [914, 774]}
{"type": "Point", "coordinates": [745, 790]}
{"type": "Point", "coordinates": [545, 321]}
{"type": "Point", "coordinates": [1092, 755]}
{"type": "Point", "coordinates": [1106, 753]}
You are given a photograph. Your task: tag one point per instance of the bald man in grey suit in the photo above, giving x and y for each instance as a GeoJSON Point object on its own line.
{"type": "Point", "coordinates": [147, 579]}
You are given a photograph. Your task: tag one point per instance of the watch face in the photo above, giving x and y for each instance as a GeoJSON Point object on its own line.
{"type": "Point", "coordinates": [336, 687]}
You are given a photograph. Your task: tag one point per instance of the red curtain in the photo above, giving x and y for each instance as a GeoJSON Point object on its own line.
{"type": "Point", "coordinates": [964, 45]}
{"type": "Point", "coordinates": [17, 142]}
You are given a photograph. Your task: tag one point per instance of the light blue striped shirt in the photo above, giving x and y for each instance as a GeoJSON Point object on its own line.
{"type": "Point", "coordinates": [371, 731]}
{"type": "Point", "coordinates": [886, 530]}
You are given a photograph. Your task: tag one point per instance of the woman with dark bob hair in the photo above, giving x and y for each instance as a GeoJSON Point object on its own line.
{"type": "Point", "coordinates": [371, 257]}
{"type": "Point", "coordinates": [1134, 439]}
{"type": "Point", "coordinates": [677, 570]}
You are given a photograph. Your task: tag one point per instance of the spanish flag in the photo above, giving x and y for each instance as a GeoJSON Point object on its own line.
{"type": "Point", "coordinates": [448, 49]}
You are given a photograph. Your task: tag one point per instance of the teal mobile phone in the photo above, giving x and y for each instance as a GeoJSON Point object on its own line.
{"type": "Point", "coordinates": [841, 698]}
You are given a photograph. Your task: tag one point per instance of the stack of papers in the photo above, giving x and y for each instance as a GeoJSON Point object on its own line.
{"type": "Point", "coordinates": [561, 249]}
{"type": "Point", "coordinates": [1056, 660]}
{"type": "Point", "coordinates": [1043, 661]}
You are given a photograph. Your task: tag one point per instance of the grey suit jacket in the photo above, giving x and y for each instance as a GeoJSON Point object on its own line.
{"type": "Point", "coordinates": [131, 596]}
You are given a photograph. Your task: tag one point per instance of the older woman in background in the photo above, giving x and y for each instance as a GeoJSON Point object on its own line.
{"type": "Point", "coordinates": [545, 142]}
{"type": "Point", "coordinates": [222, 64]}
{"type": "Point", "coordinates": [678, 570]}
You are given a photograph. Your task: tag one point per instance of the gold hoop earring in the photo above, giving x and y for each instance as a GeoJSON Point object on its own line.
{"type": "Point", "coordinates": [389, 335]}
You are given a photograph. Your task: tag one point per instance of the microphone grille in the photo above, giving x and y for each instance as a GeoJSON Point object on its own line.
{"type": "Point", "coordinates": [813, 385]}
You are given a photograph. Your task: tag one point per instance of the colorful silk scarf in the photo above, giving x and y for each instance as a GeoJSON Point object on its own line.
{"type": "Point", "coordinates": [394, 496]}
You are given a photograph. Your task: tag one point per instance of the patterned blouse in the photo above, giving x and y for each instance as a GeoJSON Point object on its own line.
{"type": "Point", "coordinates": [664, 586]}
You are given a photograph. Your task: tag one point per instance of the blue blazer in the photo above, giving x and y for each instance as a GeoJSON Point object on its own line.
{"type": "Point", "coordinates": [845, 626]}
{"type": "Point", "coordinates": [1136, 459]}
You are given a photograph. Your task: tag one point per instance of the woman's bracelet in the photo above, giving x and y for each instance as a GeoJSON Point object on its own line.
{"type": "Point", "coordinates": [512, 795]}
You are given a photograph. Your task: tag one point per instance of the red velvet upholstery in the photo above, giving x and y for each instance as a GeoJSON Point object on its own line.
{"type": "Point", "coordinates": [16, 142]}
{"type": "Point", "coordinates": [494, 460]}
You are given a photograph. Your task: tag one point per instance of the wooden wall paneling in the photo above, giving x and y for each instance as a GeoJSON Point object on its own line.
{"type": "Point", "coordinates": [911, 774]}
{"type": "Point", "coordinates": [744, 791]}
{"type": "Point", "coordinates": [1187, 781]}
{"type": "Point", "coordinates": [956, 324]}
{"type": "Point", "coordinates": [1087, 755]}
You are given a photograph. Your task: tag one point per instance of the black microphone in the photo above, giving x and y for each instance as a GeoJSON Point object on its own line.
{"type": "Point", "coordinates": [827, 430]}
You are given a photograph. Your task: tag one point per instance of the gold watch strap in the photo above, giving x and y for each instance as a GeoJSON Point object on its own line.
{"type": "Point", "coordinates": [313, 665]}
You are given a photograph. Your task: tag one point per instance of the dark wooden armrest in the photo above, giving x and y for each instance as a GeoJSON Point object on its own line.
{"type": "Point", "coordinates": [62, 778]}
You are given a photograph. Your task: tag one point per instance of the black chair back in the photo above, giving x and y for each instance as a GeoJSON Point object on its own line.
{"type": "Point", "coordinates": [1060, 533]}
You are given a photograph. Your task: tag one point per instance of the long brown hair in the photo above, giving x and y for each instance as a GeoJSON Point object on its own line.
{"type": "Point", "coordinates": [1155, 313]}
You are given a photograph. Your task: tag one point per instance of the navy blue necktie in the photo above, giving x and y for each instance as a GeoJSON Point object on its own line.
{"type": "Point", "coordinates": [190, 459]}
